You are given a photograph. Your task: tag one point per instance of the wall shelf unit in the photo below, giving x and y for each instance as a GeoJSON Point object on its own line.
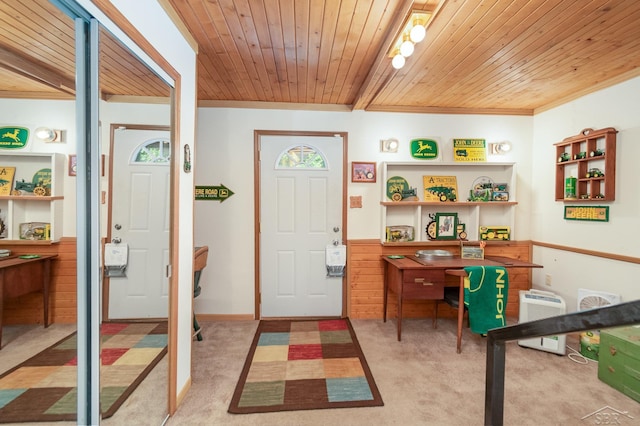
{"type": "Point", "coordinates": [17, 209]}
{"type": "Point", "coordinates": [474, 214]}
{"type": "Point", "coordinates": [590, 157]}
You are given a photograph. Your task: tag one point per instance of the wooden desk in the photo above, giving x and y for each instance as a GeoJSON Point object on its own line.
{"type": "Point", "coordinates": [411, 277]}
{"type": "Point", "coordinates": [24, 276]}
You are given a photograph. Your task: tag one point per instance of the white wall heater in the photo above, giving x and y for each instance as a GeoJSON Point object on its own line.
{"type": "Point", "coordinates": [538, 304]}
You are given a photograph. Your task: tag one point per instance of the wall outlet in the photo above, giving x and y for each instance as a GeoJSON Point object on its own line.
{"type": "Point", "coordinates": [547, 279]}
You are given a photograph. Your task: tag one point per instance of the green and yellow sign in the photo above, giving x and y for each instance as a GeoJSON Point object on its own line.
{"type": "Point", "coordinates": [424, 149]}
{"type": "Point", "coordinates": [214, 193]}
{"type": "Point", "coordinates": [13, 137]}
{"type": "Point", "coordinates": [590, 213]}
{"type": "Point", "coordinates": [469, 150]}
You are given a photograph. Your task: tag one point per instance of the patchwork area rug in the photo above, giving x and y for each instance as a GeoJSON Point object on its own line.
{"type": "Point", "coordinates": [43, 388]}
{"type": "Point", "coordinates": [304, 365]}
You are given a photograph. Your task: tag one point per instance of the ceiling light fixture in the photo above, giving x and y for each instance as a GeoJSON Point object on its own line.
{"type": "Point", "coordinates": [413, 31]}
{"type": "Point", "coordinates": [398, 60]}
{"type": "Point", "coordinates": [407, 47]}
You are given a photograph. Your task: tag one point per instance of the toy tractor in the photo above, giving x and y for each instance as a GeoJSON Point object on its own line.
{"type": "Point", "coordinates": [40, 189]}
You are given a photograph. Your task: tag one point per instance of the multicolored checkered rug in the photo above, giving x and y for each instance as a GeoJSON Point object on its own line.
{"type": "Point", "coordinates": [43, 388]}
{"type": "Point", "coordinates": [304, 365]}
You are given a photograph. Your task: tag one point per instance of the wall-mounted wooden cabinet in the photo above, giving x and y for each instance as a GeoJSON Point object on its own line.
{"type": "Point", "coordinates": [590, 158]}
{"type": "Point", "coordinates": [418, 213]}
{"type": "Point", "coordinates": [28, 207]}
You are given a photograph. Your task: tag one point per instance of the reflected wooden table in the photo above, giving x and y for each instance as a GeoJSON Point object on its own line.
{"type": "Point", "coordinates": [19, 276]}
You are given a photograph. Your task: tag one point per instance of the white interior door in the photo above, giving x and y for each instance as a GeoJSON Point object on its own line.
{"type": "Point", "coordinates": [140, 218]}
{"type": "Point", "coordinates": [300, 214]}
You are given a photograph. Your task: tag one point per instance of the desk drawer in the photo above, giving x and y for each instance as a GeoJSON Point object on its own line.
{"type": "Point", "coordinates": [423, 284]}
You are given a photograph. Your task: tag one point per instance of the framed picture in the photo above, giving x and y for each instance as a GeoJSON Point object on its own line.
{"type": "Point", "coordinates": [363, 172]}
{"type": "Point", "coordinates": [73, 165]}
{"type": "Point", "coordinates": [446, 226]}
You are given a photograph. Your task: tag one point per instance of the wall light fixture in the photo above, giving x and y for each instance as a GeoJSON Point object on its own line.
{"type": "Point", "coordinates": [389, 145]}
{"type": "Point", "coordinates": [413, 31]}
{"type": "Point", "coordinates": [46, 134]}
{"type": "Point", "coordinates": [500, 147]}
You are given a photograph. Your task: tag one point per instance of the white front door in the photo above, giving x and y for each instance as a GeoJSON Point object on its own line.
{"type": "Point", "coordinates": [140, 218]}
{"type": "Point", "coordinates": [300, 214]}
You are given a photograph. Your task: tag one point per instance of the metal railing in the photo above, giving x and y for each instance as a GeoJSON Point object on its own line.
{"type": "Point", "coordinates": [595, 319]}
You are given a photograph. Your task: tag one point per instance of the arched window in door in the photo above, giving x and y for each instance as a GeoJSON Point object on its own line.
{"type": "Point", "coordinates": [301, 157]}
{"type": "Point", "coordinates": [153, 151]}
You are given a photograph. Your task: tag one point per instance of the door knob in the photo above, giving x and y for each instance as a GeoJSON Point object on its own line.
{"type": "Point", "coordinates": [116, 240]}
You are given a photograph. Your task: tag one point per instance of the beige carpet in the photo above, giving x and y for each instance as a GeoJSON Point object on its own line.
{"type": "Point", "coordinates": [421, 379]}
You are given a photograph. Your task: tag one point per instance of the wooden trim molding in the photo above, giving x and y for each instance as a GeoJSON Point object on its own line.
{"type": "Point", "coordinates": [602, 254]}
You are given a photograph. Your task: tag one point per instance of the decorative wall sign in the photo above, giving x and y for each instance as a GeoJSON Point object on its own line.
{"type": "Point", "coordinates": [363, 172]}
{"type": "Point", "coordinates": [424, 149]}
{"type": "Point", "coordinates": [588, 213]}
{"type": "Point", "coordinates": [6, 179]}
{"type": "Point", "coordinates": [440, 188]}
{"type": "Point", "coordinates": [469, 150]}
{"type": "Point", "coordinates": [13, 137]}
{"type": "Point", "coordinates": [398, 189]}
{"type": "Point", "coordinates": [214, 193]}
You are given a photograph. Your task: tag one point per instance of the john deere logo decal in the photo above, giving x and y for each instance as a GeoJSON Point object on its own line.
{"type": "Point", "coordinates": [426, 149]}
{"type": "Point", "coordinates": [13, 137]}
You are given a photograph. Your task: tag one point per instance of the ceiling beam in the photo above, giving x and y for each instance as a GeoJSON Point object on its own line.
{"type": "Point", "coordinates": [30, 68]}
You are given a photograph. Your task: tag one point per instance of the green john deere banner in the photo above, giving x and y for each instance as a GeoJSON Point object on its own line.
{"type": "Point", "coordinates": [425, 149]}
{"type": "Point", "coordinates": [13, 137]}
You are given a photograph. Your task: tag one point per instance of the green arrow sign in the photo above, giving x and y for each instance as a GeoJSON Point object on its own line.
{"type": "Point", "coordinates": [215, 193]}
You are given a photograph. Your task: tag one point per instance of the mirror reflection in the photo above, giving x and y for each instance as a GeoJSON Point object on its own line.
{"type": "Point", "coordinates": [37, 90]}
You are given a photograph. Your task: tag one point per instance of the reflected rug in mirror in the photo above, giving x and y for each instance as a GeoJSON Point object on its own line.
{"type": "Point", "coordinates": [44, 389]}
{"type": "Point", "coordinates": [304, 365]}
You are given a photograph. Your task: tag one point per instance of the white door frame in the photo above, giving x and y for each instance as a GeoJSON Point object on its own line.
{"type": "Point", "coordinates": [257, 134]}
{"type": "Point", "coordinates": [106, 280]}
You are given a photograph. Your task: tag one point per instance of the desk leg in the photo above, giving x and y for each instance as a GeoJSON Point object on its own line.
{"type": "Point", "coordinates": [46, 278]}
{"type": "Point", "coordinates": [1, 302]}
{"type": "Point", "coordinates": [460, 315]}
{"type": "Point", "coordinates": [386, 289]}
{"type": "Point", "coordinates": [399, 319]}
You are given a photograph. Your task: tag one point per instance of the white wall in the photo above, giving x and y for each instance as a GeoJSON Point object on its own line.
{"type": "Point", "coordinates": [616, 107]}
{"type": "Point", "coordinates": [225, 156]}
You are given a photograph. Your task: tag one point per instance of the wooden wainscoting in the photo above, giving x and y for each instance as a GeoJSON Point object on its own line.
{"type": "Point", "coordinates": [365, 278]}
{"type": "Point", "coordinates": [62, 292]}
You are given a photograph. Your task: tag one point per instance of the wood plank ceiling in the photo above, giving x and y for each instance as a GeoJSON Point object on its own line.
{"type": "Point", "coordinates": [479, 56]}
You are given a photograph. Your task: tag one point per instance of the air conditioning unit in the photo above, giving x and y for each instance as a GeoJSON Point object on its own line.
{"type": "Point", "coordinates": [538, 304]}
{"type": "Point", "coordinates": [590, 299]}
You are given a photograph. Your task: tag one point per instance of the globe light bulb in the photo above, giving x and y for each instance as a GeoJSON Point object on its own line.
{"type": "Point", "coordinates": [398, 61]}
{"type": "Point", "coordinates": [406, 48]}
{"type": "Point", "coordinates": [417, 34]}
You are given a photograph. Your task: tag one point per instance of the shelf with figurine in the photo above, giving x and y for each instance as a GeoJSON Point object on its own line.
{"type": "Point", "coordinates": [586, 166]}
{"type": "Point", "coordinates": [415, 193]}
{"type": "Point", "coordinates": [31, 197]}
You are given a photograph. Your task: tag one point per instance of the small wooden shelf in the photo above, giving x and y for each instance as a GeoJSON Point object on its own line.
{"type": "Point", "coordinates": [591, 149]}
